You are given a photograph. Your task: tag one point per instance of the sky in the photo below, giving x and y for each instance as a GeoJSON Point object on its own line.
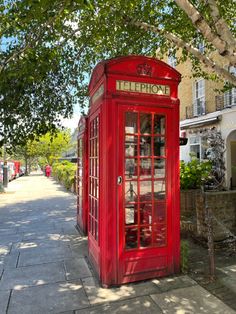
{"type": "Point", "coordinates": [73, 122]}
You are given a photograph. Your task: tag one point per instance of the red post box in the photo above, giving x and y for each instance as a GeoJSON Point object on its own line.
{"type": "Point", "coordinates": [133, 140]}
{"type": "Point", "coordinates": [82, 176]}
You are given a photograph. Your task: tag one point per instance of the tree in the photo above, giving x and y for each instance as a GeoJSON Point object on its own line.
{"type": "Point", "coordinates": [38, 72]}
{"type": "Point", "coordinates": [52, 146]}
{"type": "Point", "coordinates": [48, 146]}
{"type": "Point", "coordinates": [48, 49]}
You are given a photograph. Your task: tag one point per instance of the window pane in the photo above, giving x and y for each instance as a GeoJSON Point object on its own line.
{"type": "Point", "coordinates": [145, 213]}
{"type": "Point", "coordinates": [195, 151]}
{"type": "Point", "coordinates": [145, 146]}
{"type": "Point", "coordinates": [131, 122]}
{"type": "Point", "coordinates": [159, 235]}
{"type": "Point", "coordinates": [146, 236]}
{"type": "Point", "coordinates": [159, 146]}
{"type": "Point", "coordinates": [131, 145]}
{"type": "Point", "coordinates": [159, 124]}
{"type": "Point", "coordinates": [131, 192]}
{"type": "Point", "coordinates": [131, 238]}
{"type": "Point", "coordinates": [145, 170]}
{"type": "Point", "coordinates": [159, 168]}
{"type": "Point", "coordinates": [145, 191]}
{"type": "Point", "coordinates": [159, 190]}
{"type": "Point", "coordinates": [131, 214]}
{"type": "Point", "coordinates": [131, 168]}
{"type": "Point", "coordinates": [159, 213]}
{"type": "Point", "coordinates": [145, 123]}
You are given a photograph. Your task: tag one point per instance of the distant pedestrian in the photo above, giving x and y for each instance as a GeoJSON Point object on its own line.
{"type": "Point", "coordinates": [48, 171]}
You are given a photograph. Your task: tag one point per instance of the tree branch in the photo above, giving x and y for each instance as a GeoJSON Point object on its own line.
{"type": "Point", "coordinates": [224, 48]}
{"type": "Point", "coordinates": [220, 25]}
{"type": "Point", "coordinates": [36, 38]}
{"type": "Point", "coordinates": [209, 63]}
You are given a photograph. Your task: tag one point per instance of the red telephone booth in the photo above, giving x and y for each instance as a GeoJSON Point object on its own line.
{"type": "Point", "coordinates": [133, 135]}
{"type": "Point", "coordinates": [82, 176]}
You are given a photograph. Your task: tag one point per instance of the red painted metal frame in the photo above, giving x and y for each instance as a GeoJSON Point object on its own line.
{"type": "Point", "coordinates": [82, 176]}
{"type": "Point", "coordinates": [113, 263]}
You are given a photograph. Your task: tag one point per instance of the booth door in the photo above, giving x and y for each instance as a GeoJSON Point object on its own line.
{"type": "Point", "coordinates": [143, 193]}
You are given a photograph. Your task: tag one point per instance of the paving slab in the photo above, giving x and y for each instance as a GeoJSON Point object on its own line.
{"type": "Point", "coordinates": [8, 231]}
{"type": "Point", "coordinates": [9, 239]}
{"type": "Point", "coordinates": [9, 260]}
{"type": "Point", "coordinates": [4, 249]}
{"type": "Point", "coordinates": [4, 298]}
{"type": "Point", "coordinates": [37, 227]}
{"type": "Point", "coordinates": [230, 279]}
{"type": "Point", "coordinates": [189, 300]}
{"type": "Point", "coordinates": [35, 256]}
{"type": "Point", "coordinates": [51, 298]}
{"type": "Point", "coordinates": [139, 305]}
{"type": "Point", "coordinates": [38, 243]}
{"type": "Point", "coordinates": [77, 268]}
{"type": "Point", "coordinates": [29, 236]}
{"type": "Point", "coordinates": [80, 249]}
{"type": "Point", "coordinates": [174, 282]}
{"type": "Point", "coordinates": [32, 276]}
{"type": "Point", "coordinates": [97, 295]}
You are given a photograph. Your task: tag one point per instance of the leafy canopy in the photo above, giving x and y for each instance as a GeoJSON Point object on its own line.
{"type": "Point", "coordinates": [48, 49]}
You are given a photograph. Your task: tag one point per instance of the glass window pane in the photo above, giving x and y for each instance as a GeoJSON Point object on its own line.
{"type": "Point", "coordinates": [145, 170]}
{"type": "Point", "coordinates": [131, 238]}
{"type": "Point", "coordinates": [159, 124]}
{"type": "Point", "coordinates": [95, 208]}
{"type": "Point", "coordinates": [145, 236]}
{"type": "Point", "coordinates": [131, 193]}
{"type": "Point", "coordinates": [159, 168]}
{"type": "Point", "coordinates": [159, 212]}
{"type": "Point", "coordinates": [145, 191]}
{"type": "Point", "coordinates": [131, 214]}
{"type": "Point", "coordinates": [159, 190]}
{"type": "Point", "coordinates": [131, 122]}
{"type": "Point", "coordinates": [159, 146]}
{"type": "Point", "coordinates": [131, 168]}
{"type": "Point", "coordinates": [145, 146]}
{"type": "Point", "coordinates": [145, 123]}
{"type": "Point", "coordinates": [131, 146]}
{"type": "Point", "coordinates": [159, 235]}
{"type": "Point", "coordinates": [145, 213]}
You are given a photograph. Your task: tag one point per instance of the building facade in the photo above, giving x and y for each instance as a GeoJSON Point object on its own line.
{"type": "Point", "coordinates": [205, 111]}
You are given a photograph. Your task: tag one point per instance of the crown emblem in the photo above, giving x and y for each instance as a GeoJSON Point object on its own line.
{"type": "Point", "coordinates": [144, 69]}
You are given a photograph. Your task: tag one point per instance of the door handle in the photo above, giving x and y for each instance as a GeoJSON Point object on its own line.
{"type": "Point", "coordinates": [119, 180]}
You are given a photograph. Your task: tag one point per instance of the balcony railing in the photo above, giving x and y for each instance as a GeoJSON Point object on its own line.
{"type": "Point", "coordinates": [198, 108]}
{"type": "Point", "coordinates": [227, 100]}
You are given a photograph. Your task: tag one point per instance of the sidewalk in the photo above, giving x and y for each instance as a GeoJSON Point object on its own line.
{"type": "Point", "coordinates": [44, 266]}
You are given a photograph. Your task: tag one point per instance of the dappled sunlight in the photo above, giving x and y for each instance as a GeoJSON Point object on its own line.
{"type": "Point", "coordinates": [4, 250]}
{"type": "Point", "coordinates": [69, 287]}
{"type": "Point", "coordinates": [34, 283]}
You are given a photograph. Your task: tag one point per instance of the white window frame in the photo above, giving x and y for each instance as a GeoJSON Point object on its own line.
{"type": "Point", "coordinates": [199, 98]}
{"type": "Point", "coordinates": [197, 140]}
{"type": "Point", "coordinates": [230, 95]}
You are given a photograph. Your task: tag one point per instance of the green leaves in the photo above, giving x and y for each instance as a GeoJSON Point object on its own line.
{"type": "Point", "coordinates": [49, 48]}
{"type": "Point", "coordinates": [194, 174]}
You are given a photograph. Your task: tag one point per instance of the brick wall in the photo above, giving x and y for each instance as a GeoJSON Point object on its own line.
{"type": "Point", "coordinates": [223, 208]}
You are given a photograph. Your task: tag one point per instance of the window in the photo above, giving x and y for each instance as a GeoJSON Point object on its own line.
{"type": "Point", "coordinates": [145, 206]}
{"type": "Point", "coordinates": [94, 178]}
{"type": "Point", "coordinates": [230, 95]}
{"type": "Point", "coordinates": [198, 147]}
{"type": "Point", "coordinates": [199, 98]}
